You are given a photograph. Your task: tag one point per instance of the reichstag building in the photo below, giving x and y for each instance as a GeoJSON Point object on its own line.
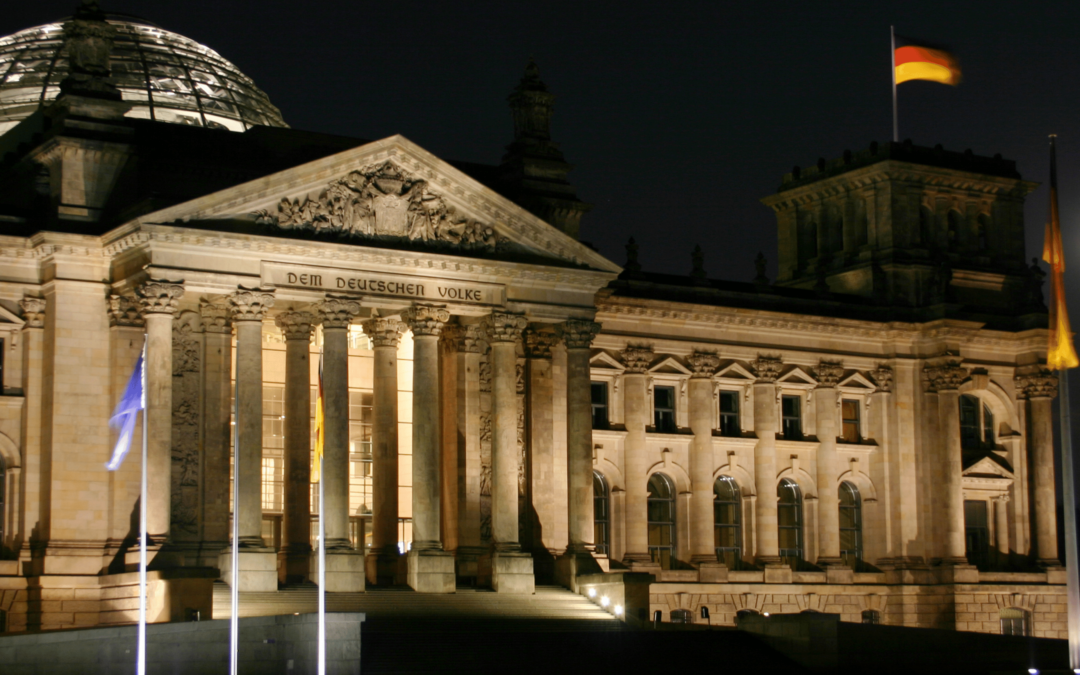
{"type": "Point", "coordinates": [869, 434]}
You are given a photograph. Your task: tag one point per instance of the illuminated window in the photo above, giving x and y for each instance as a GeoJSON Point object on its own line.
{"type": "Point", "coordinates": [727, 521]}
{"type": "Point", "coordinates": [976, 424]}
{"type": "Point", "coordinates": [850, 416]}
{"type": "Point", "coordinates": [601, 515]}
{"type": "Point", "coordinates": [600, 418]}
{"type": "Point", "coordinates": [729, 414]}
{"type": "Point", "coordinates": [661, 520]}
{"type": "Point", "coordinates": [1015, 622]}
{"type": "Point", "coordinates": [360, 457]}
{"type": "Point", "coordinates": [850, 524]}
{"type": "Point", "coordinates": [664, 409]}
{"type": "Point", "coordinates": [789, 515]}
{"type": "Point", "coordinates": [791, 413]}
{"type": "Point", "coordinates": [273, 461]}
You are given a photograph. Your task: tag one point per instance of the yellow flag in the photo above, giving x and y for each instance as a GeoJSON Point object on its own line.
{"type": "Point", "coordinates": [1060, 353]}
{"type": "Point", "coordinates": [320, 427]}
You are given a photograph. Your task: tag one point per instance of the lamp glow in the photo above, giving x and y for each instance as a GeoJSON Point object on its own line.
{"type": "Point", "coordinates": [1034, 671]}
{"type": "Point", "coordinates": [766, 614]}
{"type": "Point", "coordinates": [605, 601]}
{"type": "Point", "coordinates": [592, 592]}
{"type": "Point", "coordinates": [618, 610]}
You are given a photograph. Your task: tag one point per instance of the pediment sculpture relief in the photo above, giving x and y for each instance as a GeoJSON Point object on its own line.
{"type": "Point", "coordinates": [381, 200]}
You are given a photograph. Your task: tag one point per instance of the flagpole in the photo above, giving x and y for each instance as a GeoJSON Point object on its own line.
{"type": "Point", "coordinates": [234, 621]}
{"type": "Point", "coordinates": [141, 665]}
{"type": "Point", "coordinates": [322, 575]}
{"type": "Point", "coordinates": [892, 69]}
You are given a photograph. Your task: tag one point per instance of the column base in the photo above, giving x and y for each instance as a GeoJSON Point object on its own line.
{"type": "Point", "coordinates": [344, 571]}
{"type": "Point", "coordinates": [258, 569]}
{"type": "Point", "coordinates": [573, 563]}
{"type": "Point", "coordinates": [838, 574]}
{"type": "Point", "coordinates": [641, 562]}
{"type": "Point", "coordinates": [383, 568]}
{"type": "Point", "coordinates": [512, 572]}
{"type": "Point", "coordinates": [712, 572]}
{"type": "Point", "coordinates": [957, 571]}
{"type": "Point", "coordinates": [431, 571]}
{"type": "Point", "coordinates": [777, 573]}
{"type": "Point", "coordinates": [294, 564]}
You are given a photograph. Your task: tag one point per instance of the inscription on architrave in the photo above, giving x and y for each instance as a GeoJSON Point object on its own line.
{"type": "Point", "coordinates": [283, 275]}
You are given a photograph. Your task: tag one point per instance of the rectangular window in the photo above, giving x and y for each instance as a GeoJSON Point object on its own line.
{"type": "Point", "coordinates": [977, 532]}
{"type": "Point", "coordinates": [360, 464]}
{"type": "Point", "coordinates": [850, 414]}
{"type": "Point", "coordinates": [273, 460]}
{"type": "Point", "coordinates": [600, 418]}
{"type": "Point", "coordinates": [729, 414]}
{"type": "Point", "coordinates": [791, 411]}
{"type": "Point", "coordinates": [664, 409]}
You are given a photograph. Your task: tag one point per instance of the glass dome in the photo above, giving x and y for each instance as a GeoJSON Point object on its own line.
{"type": "Point", "coordinates": [168, 77]}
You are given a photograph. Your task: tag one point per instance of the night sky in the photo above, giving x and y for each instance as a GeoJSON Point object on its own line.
{"type": "Point", "coordinates": [679, 116]}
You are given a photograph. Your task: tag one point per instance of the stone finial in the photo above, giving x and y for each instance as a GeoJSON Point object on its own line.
{"type": "Point", "coordinates": [160, 296]}
{"type": "Point", "coordinates": [579, 333]}
{"type": "Point", "coordinates": [215, 316]}
{"type": "Point", "coordinates": [944, 376]}
{"type": "Point", "coordinates": [703, 364]}
{"type": "Point", "coordinates": [33, 310]}
{"type": "Point", "coordinates": [1038, 382]}
{"type": "Point", "coordinates": [632, 265]}
{"type": "Point", "coordinates": [425, 320]}
{"type": "Point", "coordinates": [467, 338]}
{"type": "Point", "coordinates": [383, 332]}
{"type": "Point", "coordinates": [124, 311]}
{"type": "Point", "coordinates": [337, 312]}
{"type": "Point", "coordinates": [250, 304]}
{"type": "Point", "coordinates": [637, 359]}
{"type": "Point", "coordinates": [697, 270]}
{"type": "Point", "coordinates": [504, 327]}
{"type": "Point", "coordinates": [88, 40]}
{"type": "Point", "coordinates": [532, 105]}
{"type": "Point", "coordinates": [883, 377]}
{"type": "Point", "coordinates": [296, 325]}
{"type": "Point", "coordinates": [767, 368]}
{"type": "Point", "coordinates": [759, 268]}
{"type": "Point", "coordinates": [538, 344]}
{"type": "Point", "coordinates": [828, 373]}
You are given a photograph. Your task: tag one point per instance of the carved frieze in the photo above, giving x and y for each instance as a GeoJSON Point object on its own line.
{"type": "Point", "coordinates": [579, 334]}
{"type": "Point", "coordinates": [337, 312]}
{"type": "Point", "coordinates": [33, 310]}
{"type": "Point", "coordinates": [767, 368]}
{"type": "Point", "coordinates": [384, 332]}
{"type": "Point", "coordinates": [426, 320]}
{"type": "Point", "coordinates": [215, 315]}
{"type": "Point", "coordinates": [250, 304]}
{"type": "Point", "coordinates": [504, 327]}
{"type": "Point", "coordinates": [828, 373]}
{"type": "Point", "coordinates": [703, 364]}
{"type": "Point", "coordinates": [382, 201]}
{"type": "Point", "coordinates": [944, 376]}
{"type": "Point", "coordinates": [125, 311]}
{"type": "Point", "coordinates": [538, 344]}
{"type": "Point", "coordinates": [637, 359]}
{"type": "Point", "coordinates": [883, 377]}
{"type": "Point", "coordinates": [467, 338]}
{"type": "Point", "coordinates": [1036, 383]}
{"type": "Point", "coordinates": [160, 297]}
{"type": "Point", "coordinates": [296, 325]}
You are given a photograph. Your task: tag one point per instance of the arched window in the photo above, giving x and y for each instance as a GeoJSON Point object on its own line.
{"type": "Point", "coordinates": [727, 519]}
{"type": "Point", "coordinates": [601, 517]}
{"type": "Point", "coordinates": [1015, 622]}
{"type": "Point", "coordinates": [789, 515]}
{"type": "Point", "coordinates": [976, 424]}
{"type": "Point", "coordinates": [850, 524]}
{"type": "Point", "coordinates": [871, 616]}
{"type": "Point", "coordinates": [682, 616]}
{"type": "Point", "coordinates": [661, 520]}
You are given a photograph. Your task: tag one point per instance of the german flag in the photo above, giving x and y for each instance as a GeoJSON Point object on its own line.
{"type": "Point", "coordinates": [1060, 353]}
{"type": "Point", "coordinates": [919, 60]}
{"type": "Point", "coordinates": [320, 428]}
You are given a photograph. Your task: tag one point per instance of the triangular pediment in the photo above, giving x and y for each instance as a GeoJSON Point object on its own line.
{"type": "Point", "coordinates": [734, 370]}
{"type": "Point", "coordinates": [388, 193]}
{"type": "Point", "coordinates": [670, 366]}
{"type": "Point", "coordinates": [986, 467]}
{"type": "Point", "coordinates": [604, 361]}
{"type": "Point", "coordinates": [856, 380]}
{"type": "Point", "coordinates": [796, 375]}
{"type": "Point", "coordinates": [9, 317]}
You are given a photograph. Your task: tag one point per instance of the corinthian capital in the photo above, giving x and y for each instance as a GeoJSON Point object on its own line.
{"type": "Point", "coordinates": [383, 332]}
{"type": "Point", "coordinates": [425, 320]}
{"type": "Point", "coordinates": [337, 312]}
{"type": "Point", "coordinates": [1037, 382]}
{"type": "Point", "coordinates": [767, 368]}
{"type": "Point", "coordinates": [467, 338]}
{"type": "Point", "coordinates": [503, 327]}
{"type": "Point", "coordinates": [703, 364]}
{"type": "Point", "coordinates": [124, 311]}
{"type": "Point", "coordinates": [160, 297]}
{"type": "Point", "coordinates": [250, 304]}
{"type": "Point", "coordinates": [537, 344]}
{"type": "Point", "coordinates": [215, 316]}
{"type": "Point", "coordinates": [828, 373]}
{"type": "Point", "coordinates": [947, 375]}
{"type": "Point", "coordinates": [637, 359]}
{"type": "Point", "coordinates": [33, 310]}
{"type": "Point", "coordinates": [579, 333]}
{"type": "Point", "coordinates": [296, 325]}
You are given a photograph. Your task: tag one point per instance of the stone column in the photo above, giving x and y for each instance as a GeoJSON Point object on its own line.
{"type": "Point", "coordinates": [767, 369]}
{"type": "Point", "coordinates": [468, 343]}
{"type": "Point", "coordinates": [945, 378]}
{"type": "Point", "coordinates": [1001, 528]}
{"type": "Point", "coordinates": [294, 559]}
{"type": "Point", "coordinates": [158, 300]}
{"type": "Point", "coordinates": [1039, 388]}
{"type": "Point", "coordinates": [344, 565]}
{"type": "Point", "coordinates": [385, 334]}
{"type": "Point", "coordinates": [825, 401]}
{"type": "Point", "coordinates": [430, 568]}
{"type": "Point", "coordinates": [511, 568]}
{"type": "Point", "coordinates": [636, 416]}
{"type": "Point", "coordinates": [216, 430]}
{"type": "Point", "coordinates": [540, 430]}
{"type": "Point", "coordinates": [35, 487]}
{"type": "Point", "coordinates": [702, 417]}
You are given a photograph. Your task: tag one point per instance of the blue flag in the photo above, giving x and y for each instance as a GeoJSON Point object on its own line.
{"type": "Point", "coordinates": [127, 410]}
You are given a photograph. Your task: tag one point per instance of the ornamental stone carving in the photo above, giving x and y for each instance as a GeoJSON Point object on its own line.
{"type": "Point", "coordinates": [466, 338]}
{"type": "Point", "coordinates": [504, 327]}
{"type": "Point", "coordinates": [33, 310]}
{"type": "Point", "coordinates": [124, 311]}
{"type": "Point", "coordinates": [250, 304]}
{"type": "Point", "coordinates": [767, 368]}
{"type": "Point", "coordinates": [828, 373]}
{"type": "Point", "coordinates": [383, 332]}
{"type": "Point", "coordinates": [579, 334]}
{"type": "Point", "coordinates": [537, 344]}
{"type": "Point", "coordinates": [1036, 383]}
{"type": "Point", "coordinates": [426, 320]}
{"type": "Point", "coordinates": [381, 201]}
{"type": "Point", "coordinates": [637, 359]}
{"type": "Point", "coordinates": [160, 297]}
{"type": "Point", "coordinates": [703, 364]}
{"type": "Point", "coordinates": [296, 325]}
{"type": "Point", "coordinates": [215, 316]}
{"type": "Point", "coordinates": [883, 377]}
{"type": "Point", "coordinates": [337, 312]}
{"type": "Point", "coordinates": [946, 376]}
